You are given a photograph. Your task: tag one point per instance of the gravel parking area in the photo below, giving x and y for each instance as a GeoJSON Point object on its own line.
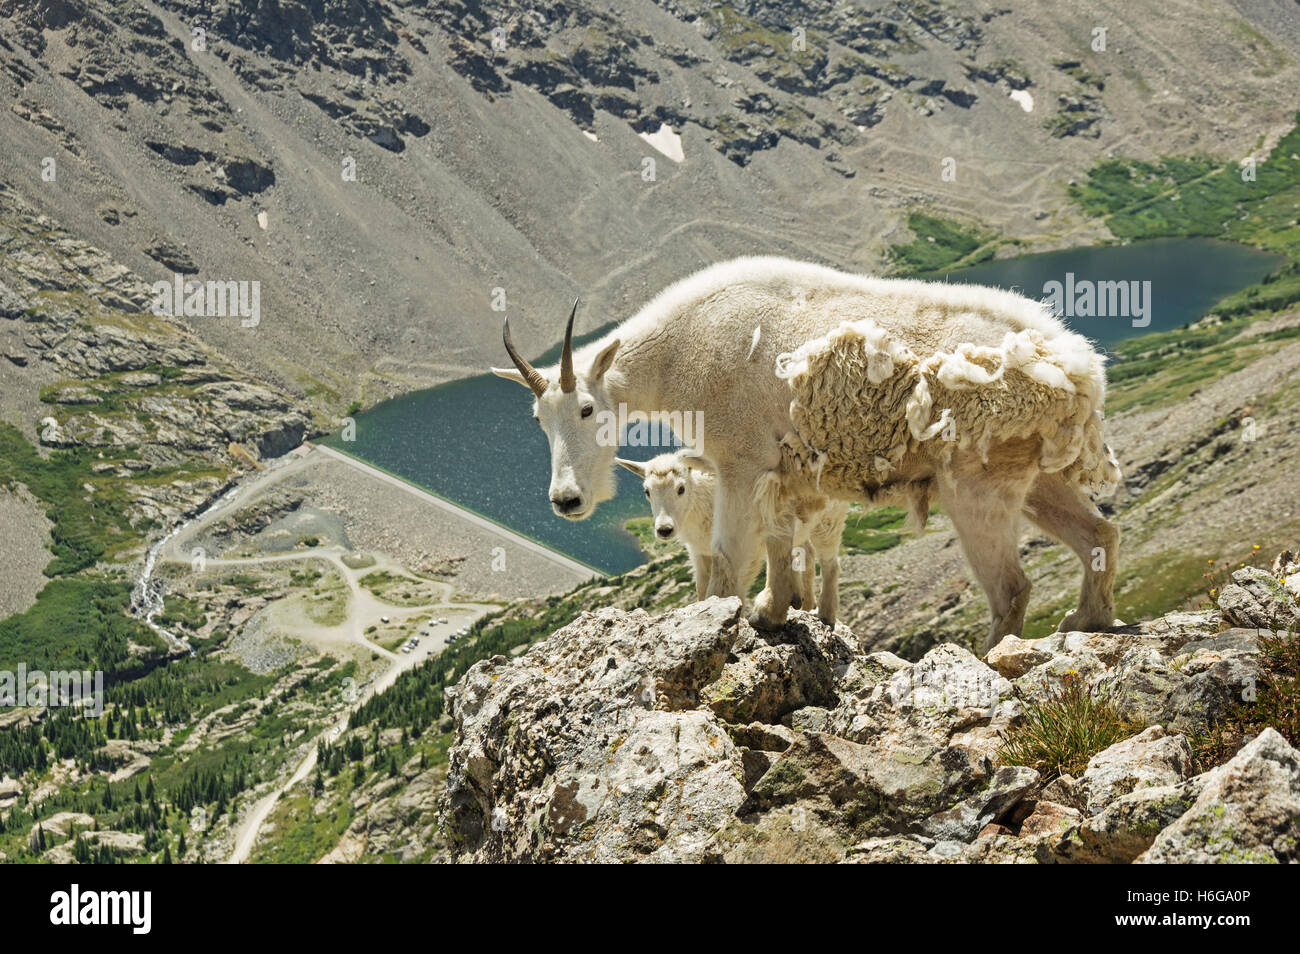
{"type": "Point", "coordinates": [386, 517]}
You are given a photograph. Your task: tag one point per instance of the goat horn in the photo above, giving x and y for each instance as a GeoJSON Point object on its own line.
{"type": "Point", "coordinates": [568, 382]}
{"type": "Point", "coordinates": [532, 377]}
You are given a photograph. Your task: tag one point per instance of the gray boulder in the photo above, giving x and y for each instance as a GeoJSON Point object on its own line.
{"type": "Point", "coordinates": [1126, 827]}
{"type": "Point", "coordinates": [1255, 599]}
{"type": "Point", "coordinates": [593, 745]}
{"type": "Point", "coordinates": [1248, 810]}
{"type": "Point", "coordinates": [1015, 656]}
{"type": "Point", "coordinates": [1152, 758]}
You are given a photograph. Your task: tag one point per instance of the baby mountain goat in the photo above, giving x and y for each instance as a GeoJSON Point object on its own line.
{"type": "Point", "coordinates": [681, 500]}
{"type": "Point", "coordinates": [815, 383]}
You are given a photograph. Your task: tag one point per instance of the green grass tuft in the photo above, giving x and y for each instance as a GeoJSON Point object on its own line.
{"type": "Point", "coordinates": [1063, 730]}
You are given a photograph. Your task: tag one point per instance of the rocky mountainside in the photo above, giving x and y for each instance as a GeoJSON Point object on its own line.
{"type": "Point", "coordinates": [688, 736]}
{"type": "Point", "coordinates": [84, 356]}
{"type": "Point", "coordinates": [381, 168]}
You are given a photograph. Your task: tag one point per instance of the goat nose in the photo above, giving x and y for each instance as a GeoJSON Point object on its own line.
{"type": "Point", "coordinates": [664, 531]}
{"type": "Point", "coordinates": [567, 504]}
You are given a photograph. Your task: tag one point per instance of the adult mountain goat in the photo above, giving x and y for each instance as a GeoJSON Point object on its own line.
{"type": "Point", "coordinates": [681, 492]}
{"type": "Point", "coordinates": [815, 383]}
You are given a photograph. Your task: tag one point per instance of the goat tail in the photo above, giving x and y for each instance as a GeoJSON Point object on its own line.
{"type": "Point", "coordinates": [1096, 469]}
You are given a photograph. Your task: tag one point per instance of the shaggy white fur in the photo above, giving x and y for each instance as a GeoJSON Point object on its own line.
{"type": "Point", "coordinates": [862, 401]}
{"type": "Point", "coordinates": [816, 383]}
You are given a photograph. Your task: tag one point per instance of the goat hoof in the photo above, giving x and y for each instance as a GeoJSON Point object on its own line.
{"type": "Point", "coordinates": [1077, 622]}
{"type": "Point", "coordinates": [796, 602]}
{"type": "Point", "coordinates": [764, 615]}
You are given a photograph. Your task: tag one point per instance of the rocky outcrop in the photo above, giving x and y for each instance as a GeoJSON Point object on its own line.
{"type": "Point", "coordinates": [78, 330]}
{"type": "Point", "coordinates": [199, 406]}
{"type": "Point", "coordinates": [630, 764]}
{"type": "Point", "coordinates": [691, 737]}
{"type": "Point", "coordinates": [1152, 758]}
{"type": "Point", "coordinates": [120, 844]}
{"type": "Point", "coordinates": [1076, 115]}
{"type": "Point", "coordinates": [1255, 599]}
{"type": "Point", "coordinates": [1247, 811]}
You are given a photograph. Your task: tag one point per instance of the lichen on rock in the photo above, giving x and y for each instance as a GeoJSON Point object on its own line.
{"type": "Point", "coordinates": [691, 737]}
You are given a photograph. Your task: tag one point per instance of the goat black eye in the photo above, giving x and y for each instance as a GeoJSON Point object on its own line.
{"type": "Point", "coordinates": [647, 495]}
{"type": "Point", "coordinates": [681, 490]}
{"type": "Point", "coordinates": [586, 410]}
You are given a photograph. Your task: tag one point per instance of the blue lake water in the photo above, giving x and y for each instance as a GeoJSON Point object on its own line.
{"type": "Point", "coordinates": [474, 441]}
{"type": "Point", "coordinates": [1186, 277]}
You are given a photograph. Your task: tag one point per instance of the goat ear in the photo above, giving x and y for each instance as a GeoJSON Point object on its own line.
{"type": "Point", "coordinates": [510, 374]}
{"type": "Point", "coordinates": [603, 361]}
{"type": "Point", "coordinates": [701, 464]}
{"type": "Point", "coordinates": [635, 466]}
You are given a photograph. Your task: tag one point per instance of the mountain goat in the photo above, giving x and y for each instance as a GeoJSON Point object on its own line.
{"type": "Point", "coordinates": [681, 500]}
{"type": "Point", "coordinates": [816, 383]}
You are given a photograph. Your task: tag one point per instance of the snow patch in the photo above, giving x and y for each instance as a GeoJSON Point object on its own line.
{"type": "Point", "coordinates": [591, 135]}
{"type": "Point", "coordinates": [1024, 98]}
{"type": "Point", "coordinates": [666, 141]}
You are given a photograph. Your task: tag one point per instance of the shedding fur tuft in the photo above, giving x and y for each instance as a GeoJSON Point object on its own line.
{"type": "Point", "coordinates": [863, 401]}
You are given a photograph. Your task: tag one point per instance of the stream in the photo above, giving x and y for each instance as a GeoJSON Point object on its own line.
{"type": "Point", "coordinates": [148, 592]}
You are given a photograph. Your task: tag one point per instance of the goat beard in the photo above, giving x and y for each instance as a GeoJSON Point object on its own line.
{"type": "Point", "coordinates": [604, 487]}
